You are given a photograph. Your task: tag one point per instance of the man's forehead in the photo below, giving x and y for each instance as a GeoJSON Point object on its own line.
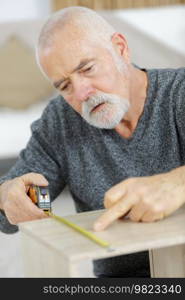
{"type": "Point", "coordinates": [72, 52]}
{"type": "Point", "coordinates": [71, 57]}
{"type": "Point", "coordinates": [63, 58]}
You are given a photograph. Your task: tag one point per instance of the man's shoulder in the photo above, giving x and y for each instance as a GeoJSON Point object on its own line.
{"type": "Point", "coordinates": [175, 80]}
{"type": "Point", "coordinates": [167, 81]}
{"type": "Point", "coordinates": [59, 109]}
{"type": "Point", "coordinates": [168, 75]}
{"type": "Point", "coordinates": [61, 117]}
{"type": "Point", "coordinates": [58, 104]}
{"type": "Point", "coordinates": [176, 74]}
{"type": "Point", "coordinates": [172, 82]}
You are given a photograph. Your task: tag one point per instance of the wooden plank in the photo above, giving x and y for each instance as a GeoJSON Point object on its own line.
{"type": "Point", "coordinates": [39, 260]}
{"type": "Point", "coordinates": [52, 249]}
{"type": "Point", "coordinates": [168, 262]}
{"type": "Point", "coordinates": [123, 235]}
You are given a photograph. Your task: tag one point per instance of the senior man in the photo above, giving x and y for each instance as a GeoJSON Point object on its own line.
{"type": "Point", "coordinates": [115, 134]}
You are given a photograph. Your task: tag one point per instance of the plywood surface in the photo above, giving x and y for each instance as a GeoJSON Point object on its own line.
{"type": "Point", "coordinates": [123, 235]}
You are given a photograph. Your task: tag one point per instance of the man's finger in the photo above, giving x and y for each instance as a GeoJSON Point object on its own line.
{"type": "Point", "coordinates": [116, 211]}
{"type": "Point", "coordinates": [32, 208]}
{"type": "Point", "coordinates": [151, 217]}
{"type": "Point", "coordinates": [137, 211]}
{"type": "Point", "coordinates": [114, 195]}
{"type": "Point", "coordinates": [24, 210]}
{"type": "Point", "coordinates": [26, 205]}
{"type": "Point", "coordinates": [34, 178]}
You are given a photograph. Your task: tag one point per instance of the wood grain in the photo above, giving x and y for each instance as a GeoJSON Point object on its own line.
{"type": "Point", "coordinates": [53, 239]}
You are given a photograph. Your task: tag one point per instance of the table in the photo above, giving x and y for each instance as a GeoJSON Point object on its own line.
{"type": "Point", "coordinates": [52, 249]}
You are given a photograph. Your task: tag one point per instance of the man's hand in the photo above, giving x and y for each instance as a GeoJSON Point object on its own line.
{"type": "Point", "coordinates": [145, 199]}
{"type": "Point", "coordinates": [17, 206]}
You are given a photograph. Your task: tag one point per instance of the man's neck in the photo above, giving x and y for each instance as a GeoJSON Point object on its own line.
{"type": "Point", "coordinates": [138, 90]}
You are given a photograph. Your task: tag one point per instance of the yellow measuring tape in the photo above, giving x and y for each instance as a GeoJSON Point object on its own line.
{"type": "Point", "coordinates": [40, 196]}
{"type": "Point", "coordinates": [84, 232]}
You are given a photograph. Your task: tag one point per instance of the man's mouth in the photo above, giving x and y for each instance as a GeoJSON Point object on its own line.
{"type": "Point", "coordinates": [97, 107]}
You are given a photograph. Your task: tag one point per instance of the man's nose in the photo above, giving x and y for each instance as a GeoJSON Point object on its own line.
{"type": "Point", "coordinates": [83, 90]}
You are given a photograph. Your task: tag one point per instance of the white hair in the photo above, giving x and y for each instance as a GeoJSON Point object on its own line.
{"type": "Point", "coordinates": [88, 21]}
{"type": "Point", "coordinates": [115, 107]}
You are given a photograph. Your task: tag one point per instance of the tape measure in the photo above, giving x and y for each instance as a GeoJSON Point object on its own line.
{"type": "Point", "coordinates": [40, 196]}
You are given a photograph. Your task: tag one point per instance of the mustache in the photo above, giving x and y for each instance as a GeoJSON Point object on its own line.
{"type": "Point", "coordinates": [111, 113]}
{"type": "Point", "coordinates": [97, 99]}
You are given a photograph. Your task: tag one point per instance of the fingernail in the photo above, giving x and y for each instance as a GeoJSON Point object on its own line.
{"type": "Point", "coordinates": [98, 226]}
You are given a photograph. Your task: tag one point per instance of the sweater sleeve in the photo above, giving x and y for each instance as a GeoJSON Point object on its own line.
{"type": "Point", "coordinates": [43, 154]}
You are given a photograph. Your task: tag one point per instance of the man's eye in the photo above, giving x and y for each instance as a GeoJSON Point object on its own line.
{"type": "Point", "coordinates": [88, 69]}
{"type": "Point", "coordinates": [65, 87]}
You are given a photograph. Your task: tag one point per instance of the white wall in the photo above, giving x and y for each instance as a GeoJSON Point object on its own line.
{"type": "Point", "coordinates": [23, 9]}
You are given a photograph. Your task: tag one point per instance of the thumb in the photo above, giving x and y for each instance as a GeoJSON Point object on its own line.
{"type": "Point", "coordinates": [34, 178]}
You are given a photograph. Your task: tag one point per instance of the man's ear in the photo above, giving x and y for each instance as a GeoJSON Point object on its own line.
{"type": "Point", "coordinates": [121, 46]}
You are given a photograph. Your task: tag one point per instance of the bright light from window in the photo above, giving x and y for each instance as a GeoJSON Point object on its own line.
{"type": "Point", "coordinates": [24, 9]}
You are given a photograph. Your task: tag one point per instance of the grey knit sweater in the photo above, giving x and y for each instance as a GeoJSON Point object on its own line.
{"type": "Point", "coordinates": [68, 151]}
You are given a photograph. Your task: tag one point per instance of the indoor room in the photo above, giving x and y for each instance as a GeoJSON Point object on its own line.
{"type": "Point", "coordinates": [155, 33]}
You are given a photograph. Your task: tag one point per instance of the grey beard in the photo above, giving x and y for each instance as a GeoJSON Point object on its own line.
{"type": "Point", "coordinates": [109, 116]}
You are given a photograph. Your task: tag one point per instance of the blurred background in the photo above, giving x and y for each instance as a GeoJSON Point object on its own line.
{"type": "Point", "coordinates": [154, 29]}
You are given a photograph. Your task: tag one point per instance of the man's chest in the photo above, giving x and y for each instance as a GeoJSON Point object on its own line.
{"type": "Point", "coordinates": [97, 168]}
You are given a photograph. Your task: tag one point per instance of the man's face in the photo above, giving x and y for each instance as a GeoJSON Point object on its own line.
{"type": "Point", "coordinates": [88, 78]}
